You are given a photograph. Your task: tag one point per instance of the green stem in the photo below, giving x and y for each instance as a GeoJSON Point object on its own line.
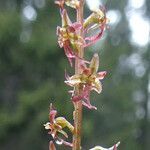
{"type": "Point", "coordinates": [78, 105]}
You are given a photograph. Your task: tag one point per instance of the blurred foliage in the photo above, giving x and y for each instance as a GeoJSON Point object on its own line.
{"type": "Point", "coordinates": [32, 74]}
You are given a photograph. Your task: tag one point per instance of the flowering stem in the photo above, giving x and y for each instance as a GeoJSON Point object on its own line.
{"type": "Point", "coordinates": [78, 105]}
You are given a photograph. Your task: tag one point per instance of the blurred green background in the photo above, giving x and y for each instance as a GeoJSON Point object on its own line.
{"type": "Point", "coordinates": [32, 76]}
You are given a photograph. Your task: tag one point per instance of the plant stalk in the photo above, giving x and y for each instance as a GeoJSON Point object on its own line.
{"type": "Point", "coordinates": [78, 105]}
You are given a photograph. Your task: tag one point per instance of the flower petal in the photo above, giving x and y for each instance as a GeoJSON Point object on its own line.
{"type": "Point", "coordinates": [88, 105]}
{"type": "Point", "coordinates": [97, 18]}
{"type": "Point", "coordinates": [53, 133]}
{"type": "Point", "coordinates": [60, 141]}
{"type": "Point", "coordinates": [86, 96]}
{"type": "Point", "coordinates": [52, 114]}
{"type": "Point", "coordinates": [67, 144]}
{"type": "Point", "coordinates": [115, 146]}
{"type": "Point", "coordinates": [93, 39]}
{"type": "Point", "coordinates": [61, 121]}
{"type": "Point", "coordinates": [65, 18]}
{"type": "Point", "coordinates": [69, 52]}
{"type": "Point", "coordinates": [47, 126]}
{"type": "Point", "coordinates": [101, 75]}
{"type": "Point", "coordinates": [63, 133]}
{"type": "Point", "coordinates": [74, 80]}
{"type": "Point", "coordinates": [94, 65]}
{"type": "Point", "coordinates": [97, 86]}
{"type": "Point", "coordinates": [64, 123]}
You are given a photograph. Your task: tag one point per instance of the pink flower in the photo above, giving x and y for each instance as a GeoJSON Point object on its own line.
{"type": "Point", "coordinates": [68, 34]}
{"type": "Point", "coordinates": [56, 125]}
{"type": "Point", "coordinates": [96, 19]}
{"type": "Point", "coordinates": [88, 80]}
{"type": "Point", "coordinates": [68, 37]}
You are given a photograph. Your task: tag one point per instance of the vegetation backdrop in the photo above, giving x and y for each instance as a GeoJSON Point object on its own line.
{"type": "Point", "coordinates": [32, 75]}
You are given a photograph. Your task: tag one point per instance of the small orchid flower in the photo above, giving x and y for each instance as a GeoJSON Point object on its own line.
{"type": "Point", "coordinates": [101, 148]}
{"type": "Point", "coordinates": [96, 19]}
{"type": "Point", "coordinates": [68, 37]}
{"type": "Point", "coordinates": [89, 76]}
{"type": "Point", "coordinates": [88, 80]}
{"type": "Point", "coordinates": [56, 125]}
